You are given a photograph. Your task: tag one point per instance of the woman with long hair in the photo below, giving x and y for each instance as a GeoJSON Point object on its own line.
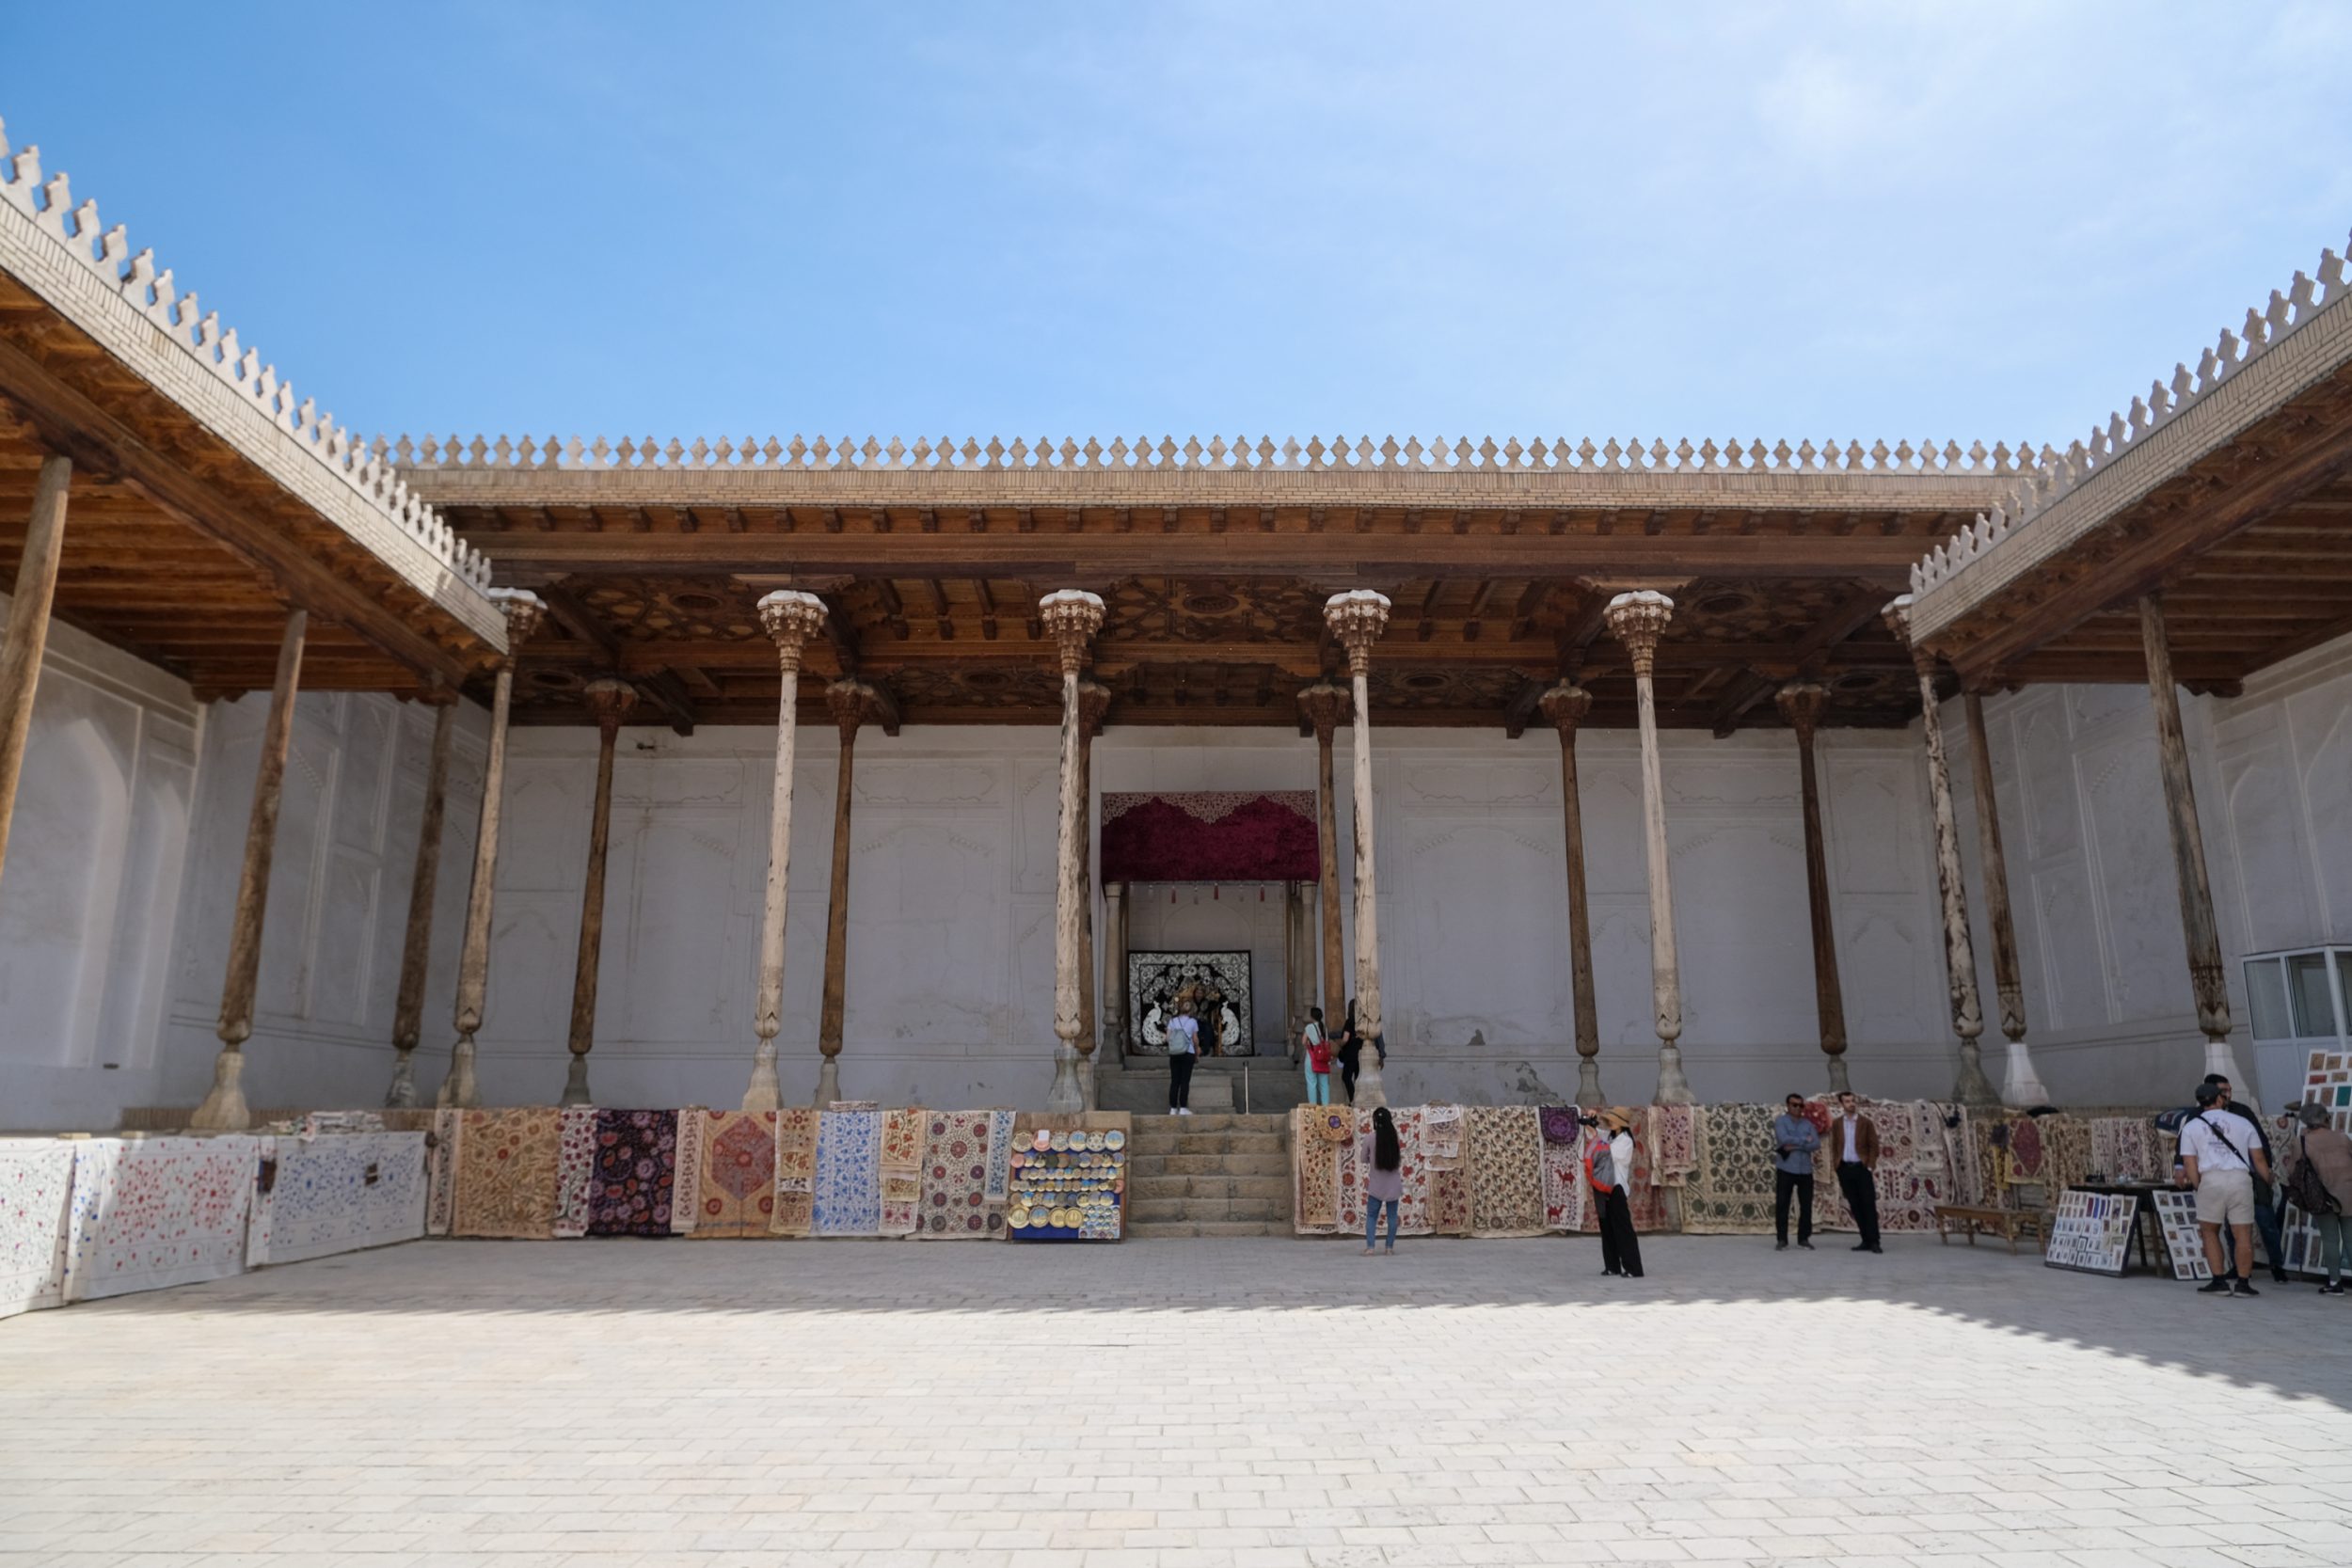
{"type": "Point", "coordinates": [1384, 1184]}
{"type": "Point", "coordinates": [1351, 1052]}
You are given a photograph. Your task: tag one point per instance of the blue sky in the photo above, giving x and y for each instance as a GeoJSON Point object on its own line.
{"type": "Point", "coordinates": [1963, 220]}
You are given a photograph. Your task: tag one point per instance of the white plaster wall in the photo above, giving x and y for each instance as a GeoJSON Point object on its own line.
{"type": "Point", "coordinates": [90, 888]}
{"type": "Point", "coordinates": [338, 898]}
{"type": "Point", "coordinates": [2091, 874]}
{"type": "Point", "coordinates": [950, 961]}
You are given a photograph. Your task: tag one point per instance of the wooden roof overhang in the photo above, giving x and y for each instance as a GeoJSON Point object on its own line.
{"type": "Point", "coordinates": [205, 500]}
{"type": "Point", "coordinates": [1214, 576]}
{"type": "Point", "coordinates": [2228, 492]}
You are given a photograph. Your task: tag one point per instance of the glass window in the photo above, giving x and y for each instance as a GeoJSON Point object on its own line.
{"type": "Point", "coordinates": [2343, 987]}
{"type": "Point", "coordinates": [2266, 993]}
{"type": "Point", "coordinates": [2308, 987]}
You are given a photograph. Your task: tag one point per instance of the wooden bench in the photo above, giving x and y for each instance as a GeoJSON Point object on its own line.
{"type": "Point", "coordinates": [1973, 1221]}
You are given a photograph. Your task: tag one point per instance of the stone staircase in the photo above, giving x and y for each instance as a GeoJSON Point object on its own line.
{"type": "Point", "coordinates": [1220, 1084]}
{"type": "Point", "coordinates": [1205, 1175]}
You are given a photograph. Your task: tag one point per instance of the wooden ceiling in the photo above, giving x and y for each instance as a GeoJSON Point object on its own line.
{"type": "Point", "coordinates": [179, 549]}
{"type": "Point", "coordinates": [1214, 614]}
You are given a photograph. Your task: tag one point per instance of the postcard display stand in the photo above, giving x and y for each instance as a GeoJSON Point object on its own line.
{"type": "Point", "coordinates": [1070, 1176]}
{"type": "Point", "coordinates": [2090, 1231]}
{"type": "Point", "coordinates": [2176, 1219]}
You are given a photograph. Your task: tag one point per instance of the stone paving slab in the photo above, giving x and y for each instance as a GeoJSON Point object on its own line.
{"type": "Point", "coordinates": [1225, 1403]}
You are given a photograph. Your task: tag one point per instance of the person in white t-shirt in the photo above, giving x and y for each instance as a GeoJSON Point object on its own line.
{"type": "Point", "coordinates": [2220, 1156]}
{"type": "Point", "coordinates": [1183, 1049]}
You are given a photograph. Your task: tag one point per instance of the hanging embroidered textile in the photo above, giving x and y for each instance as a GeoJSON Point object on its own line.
{"type": "Point", "coordinates": [634, 1174]}
{"type": "Point", "coordinates": [1565, 1187]}
{"type": "Point", "coordinates": [1209, 837]}
{"type": "Point", "coordinates": [336, 1192]}
{"type": "Point", "coordinates": [1673, 1138]}
{"type": "Point", "coordinates": [796, 1170]}
{"type": "Point", "coordinates": [847, 1189]}
{"type": "Point", "coordinates": [1730, 1191]}
{"type": "Point", "coordinates": [36, 1192]}
{"type": "Point", "coordinates": [686, 1196]}
{"type": "Point", "coordinates": [953, 1204]}
{"type": "Point", "coordinates": [736, 1193]}
{"type": "Point", "coordinates": [1506, 1170]}
{"type": "Point", "coordinates": [1644, 1200]}
{"type": "Point", "coordinates": [506, 1173]}
{"type": "Point", "coordinates": [902, 1133]}
{"type": "Point", "coordinates": [1561, 1124]}
{"type": "Point", "coordinates": [1315, 1205]}
{"type": "Point", "coordinates": [575, 1168]}
{"type": "Point", "coordinates": [999, 1187]}
{"type": "Point", "coordinates": [151, 1212]}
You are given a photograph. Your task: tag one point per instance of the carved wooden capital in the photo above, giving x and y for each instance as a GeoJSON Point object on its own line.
{"type": "Point", "coordinates": [1898, 618]}
{"type": "Point", "coordinates": [1072, 616]}
{"type": "Point", "coordinates": [1566, 705]}
{"type": "Point", "coordinates": [610, 700]}
{"type": "Point", "coordinates": [1325, 707]}
{"type": "Point", "coordinates": [1802, 702]}
{"type": "Point", "coordinates": [1638, 620]}
{"type": "Point", "coordinates": [791, 617]}
{"type": "Point", "coordinates": [1357, 618]}
{"type": "Point", "coordinates": [523, 609]}
{"type": "Point", "coordinates": [1094, 701]}
{"type": "Point", "coordinates": [852, 701]}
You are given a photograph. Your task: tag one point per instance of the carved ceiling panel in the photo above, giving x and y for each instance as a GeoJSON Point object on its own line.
{"type": "Point", "coordinates": [692, 609]}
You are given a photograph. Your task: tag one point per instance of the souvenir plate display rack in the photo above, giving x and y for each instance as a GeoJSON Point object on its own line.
{"type": "Point", "coordinates": [1069, 1177]}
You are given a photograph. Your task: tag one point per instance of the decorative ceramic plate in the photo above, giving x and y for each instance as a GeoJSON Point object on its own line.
{"type": "Point", "coordinates": [1094, 1140]}
{"type": "Point", "coordinates": [1018, 1219]}
{"type": "Point", "coordinates": [1042, 1139]}
{"type": "Point", "coordinates": [1060, 1140]}
{"type": "Point", "coordinates": [1114, 1139]}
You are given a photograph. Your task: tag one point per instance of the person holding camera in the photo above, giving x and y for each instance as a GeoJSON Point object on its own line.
{"type": "Point", "coordinates": [1609, 1166]}
{"type": "Point", "coordinates": [2220, 1156]}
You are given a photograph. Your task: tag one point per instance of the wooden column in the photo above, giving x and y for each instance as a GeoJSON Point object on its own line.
{"type": "Point", "coordinates": [1094, 701]}
{"type": "Point", "coordinates": [224, 1109]}
{"type": "Point", "coordinates": [1959, 955]}
{"type": "Point", "coordinates": [1072, 617]}
{"type": "Point", "coordinates": [1566, 705]}
{"type": "Point", "coordinates": [1637, 620]}
{"type": "Point", "coordinates": [2206, 978]}
{"type": "Point", "coordinates": [1356, 619]}
{"type": "Point", "coordinates": [1323, 706]}
{"type": "Point", "coordinates": [611, 701]}
{"type": "Point", "coordinates": [523, 611]}
{"type": "Point", "coordinates": [791, 617]}
{"type": "Point", "coordinates": [850, 699]}
{"type": "Point", "coordinates": [2021, 1085]}
{"type": "Point", "coordinates": [1802, 704]}
{"type": "Point", "coordinates": [29, 628]}
{"type": "Point", "coordinates": [1115, 962]}
{"type": "Point", "coordinates": [416, 951]}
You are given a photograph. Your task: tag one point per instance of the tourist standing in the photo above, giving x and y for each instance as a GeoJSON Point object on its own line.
{"type": "Point", "coordinates": [1609, 1165]}
{"type": "Point", "coordinates": [1183, 1049]}
{"type": "Point", "coordinates": [1853, 1143]}
{"type": "Point", "coordinates": [1794, 1139]}
{"type": "Point", "coordinates": [2266, 1200]}
{"type": "Point", "coordinates": [2326, 1191]}
{"type": "Point", "coordinates": [2220, 1156]}
{"type": "Point", "coordinates": [1384, 1184]}
{"type": "Point", "coordinates": [1316, 1048]}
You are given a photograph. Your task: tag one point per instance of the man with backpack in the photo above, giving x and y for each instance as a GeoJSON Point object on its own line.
{"type": "Point", "coordinates": [2319, 1182]}
{"type": "Point", "coordinates": [2220, 1156]}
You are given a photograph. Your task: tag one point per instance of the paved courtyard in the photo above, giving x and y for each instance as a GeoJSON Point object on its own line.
{"type": "Point", "coordinates": [1170, 1402]}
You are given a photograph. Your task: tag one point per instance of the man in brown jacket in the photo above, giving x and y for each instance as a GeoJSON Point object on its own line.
{"type": "Point", "coordinates": [1852, 1143]}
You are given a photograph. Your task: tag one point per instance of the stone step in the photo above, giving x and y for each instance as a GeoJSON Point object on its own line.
{"type": "Point", "coordinates": [1206, 1210]}
{"type": "Point", "coordinates": [1204, 1121]}
{"type": "Point", "coordinates": [1147, 1230]}
{"type": "Point", "coordinates": [1275, 1163]}
{"type": "Point", "coordinates": [1212, 1143]}
{"type": "Point", "coordinates": [1271, 1187]}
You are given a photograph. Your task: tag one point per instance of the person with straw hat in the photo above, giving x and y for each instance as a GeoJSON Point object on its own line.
{"type": "Point", "coordinates": [1609, 1165]}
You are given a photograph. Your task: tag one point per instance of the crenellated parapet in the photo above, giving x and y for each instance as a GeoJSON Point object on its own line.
{"type": "Point", "coordinates": [2247, 373]}
{"type": "Point", "coordinates": [103, 255]}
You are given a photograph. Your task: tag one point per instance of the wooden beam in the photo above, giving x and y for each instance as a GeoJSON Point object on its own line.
{"type": "Point", "coordinates": [75, 427]}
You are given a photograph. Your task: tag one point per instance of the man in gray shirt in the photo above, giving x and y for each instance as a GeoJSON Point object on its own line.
{"type": "Point", "coordinates": [1794, 1139]}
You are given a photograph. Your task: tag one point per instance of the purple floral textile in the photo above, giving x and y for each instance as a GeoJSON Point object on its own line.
{"type": "Point", "coordinates": [1560, 1124]}
{"type": "Point", "coordinates": [635, 1173]}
